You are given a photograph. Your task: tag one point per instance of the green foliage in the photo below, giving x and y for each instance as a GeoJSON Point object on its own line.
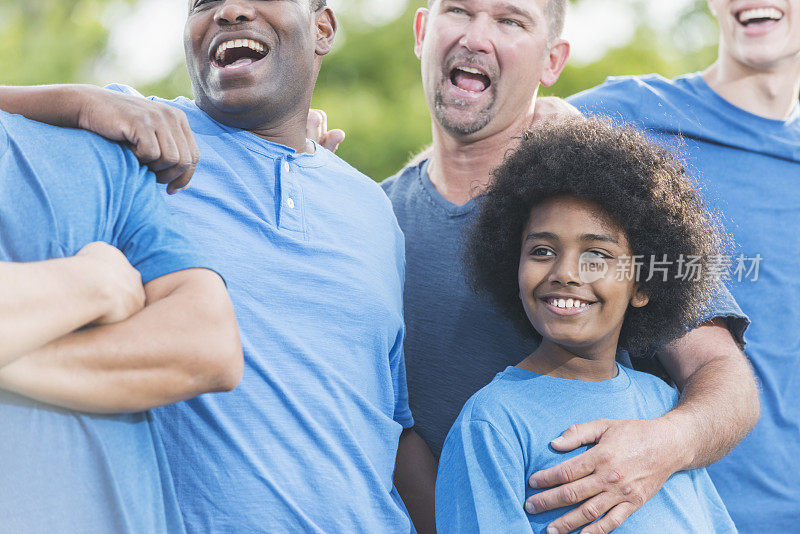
{"type": "Point", "coordinates": [44, 41]}
{"type": "Point", "coordinates": [370, 87]}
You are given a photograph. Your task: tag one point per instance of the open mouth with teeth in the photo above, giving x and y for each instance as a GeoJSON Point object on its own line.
{"type": "Point", "coordinates": [567, 304]}
{"type": "Point", "coordinates": [470, 79]}
{"type": "Point", "coordinates": [239, 53]}
{"type": "Point", "coordinates": [761, 15]}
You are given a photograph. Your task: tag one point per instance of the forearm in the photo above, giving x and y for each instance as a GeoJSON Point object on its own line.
{"type": "Point", "coordinates": [177, 347]}
{"type": "Point", "coordinates": [415, 479]}
{"type": "Point", "coordinates": [43, 301]}
{"type": "Point", "coordinates": [719, 398]}
{"type": "Point", "coordinates": [59, 105]}
{"type": "Point", "coordinates": [718, 407]}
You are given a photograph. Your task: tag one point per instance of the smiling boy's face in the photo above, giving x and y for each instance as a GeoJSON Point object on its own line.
{"type": "Point", "coordinates": [566, 245]}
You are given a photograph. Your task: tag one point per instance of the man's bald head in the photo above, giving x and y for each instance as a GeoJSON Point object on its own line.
{"type": "Point", "coordinates": [556, 13]}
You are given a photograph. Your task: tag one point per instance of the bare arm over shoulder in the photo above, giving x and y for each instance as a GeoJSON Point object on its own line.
{"type": "Point", "coordinates": [157, 133]}
{"type": "Point", "coordinates": [184, 342]}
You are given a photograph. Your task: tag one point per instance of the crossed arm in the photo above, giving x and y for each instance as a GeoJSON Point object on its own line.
{"type": "Point", "coordinates": [184, 342]}
{"type": "Point", "coordinates": [35, 297]}
{"type": "Point", "coordinates": [632, 459]}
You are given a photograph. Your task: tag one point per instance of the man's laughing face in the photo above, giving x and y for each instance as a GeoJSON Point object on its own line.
{"type": "Point", "coordinates": [251, 60]}
{"type": "Point", "coordinates": [759, 34]}
{"type": "Point", "coordinates": [483, 60]}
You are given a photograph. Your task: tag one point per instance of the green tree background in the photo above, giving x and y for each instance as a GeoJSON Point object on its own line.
{"type": "Point", "coordinates": [369, 85]}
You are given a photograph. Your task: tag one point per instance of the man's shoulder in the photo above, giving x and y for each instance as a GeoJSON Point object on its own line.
{"type": "Point", "coordinates": [404, 180]}
{"type": "Point", "coordinates": [65, 146]}
{"type": "Point", "coordinates": [625, 97]}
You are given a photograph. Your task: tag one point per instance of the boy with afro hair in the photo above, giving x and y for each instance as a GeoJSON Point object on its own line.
{"type": "Point", "coordinates": [565, 228]}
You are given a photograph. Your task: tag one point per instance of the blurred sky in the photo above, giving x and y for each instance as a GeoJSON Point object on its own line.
{"type": "Point", "coordinates": [146, 39]}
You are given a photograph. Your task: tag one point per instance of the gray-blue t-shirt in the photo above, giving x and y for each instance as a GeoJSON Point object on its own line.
{"type": "Point", "coordinates": [502, 437]}
{"type": "Point", "coordinates": [62, 470]}
{"type": "Point", "coordinates": [456, 340]}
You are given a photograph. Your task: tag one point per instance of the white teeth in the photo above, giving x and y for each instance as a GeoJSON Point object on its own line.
{"type": "Point", "coordinates": [567, 303]}
{"type": "Point", "coordinates": [760, 13]}
{"type": "Point", "coordinates": [471, 70]}
{"type": "Point", "coordinates": [238, 43]}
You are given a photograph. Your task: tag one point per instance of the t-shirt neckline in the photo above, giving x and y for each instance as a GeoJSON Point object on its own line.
{"type": "Point", "coordinates": [620, 382]}
{"type": "Point", "coordinates": [701, 85]}
{"type": "Point", "coordinates": [450, 209]}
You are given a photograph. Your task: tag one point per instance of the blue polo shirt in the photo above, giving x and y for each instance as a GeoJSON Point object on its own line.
{"type": "Point", "coordinates": [314, 262]}
{"type": "Point", "coordinates": [749, 169]}
{"type": "Point", "coordinates": [61, 469]}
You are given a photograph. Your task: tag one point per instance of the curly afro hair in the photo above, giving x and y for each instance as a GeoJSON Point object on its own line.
{"type": "Point", "coordinates": [640, 185]}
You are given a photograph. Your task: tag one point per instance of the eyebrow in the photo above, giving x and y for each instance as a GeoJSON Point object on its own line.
{"type": "Point", "coordinates": [516, 10]}
{"type": "Point", "coordinates": [585, 237]}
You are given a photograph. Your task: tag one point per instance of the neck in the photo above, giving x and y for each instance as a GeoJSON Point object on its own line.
{"type": "Point", "coordinates": [289, 131]}
{"type": "Point", "coordinates": [460, 167]}
{"type": "Point", "coordinates": [770, 93]}
{"type": "Point", "coordinates": [595, 363]}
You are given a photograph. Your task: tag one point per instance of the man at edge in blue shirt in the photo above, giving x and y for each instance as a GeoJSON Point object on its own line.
{"type": "Point", "coordinates": [738, 125]}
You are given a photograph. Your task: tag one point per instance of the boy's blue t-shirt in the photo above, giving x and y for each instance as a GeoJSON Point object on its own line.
{"type": "Point", "coordinates": [749, 169]}
{"type": "Point", "coordinates": [314, 262]}
{"type": "Point", "coordinates": [60, 469]}
{"type": "Point", "coordinates": [503, 435]}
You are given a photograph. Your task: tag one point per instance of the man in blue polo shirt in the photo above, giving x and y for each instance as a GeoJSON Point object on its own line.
{"type": "Point", "coordinates": [738, 125]}
{"type": "Point", "coordinates": [314, 262]}
{"type": "Point", "coordinates": [91, 341]}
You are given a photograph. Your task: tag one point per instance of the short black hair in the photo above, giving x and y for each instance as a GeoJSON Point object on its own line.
{"type": "Point", "coordinates": [316, 5]}
{"type": "Point", "coordinates": [644, 190]}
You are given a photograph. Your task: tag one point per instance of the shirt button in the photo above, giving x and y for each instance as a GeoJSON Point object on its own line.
{"type": "Point", "coordinates": [285, 166]}
{"type": "Point", "coordinates": [290, 203]}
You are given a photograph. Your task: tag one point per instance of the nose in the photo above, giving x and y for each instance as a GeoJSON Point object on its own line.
{"type": "Point", "coordinates": [477, 35]}
{"type": "Point", "coordinates": [235, 12]}
{"type": "Point", "coordinates": [566, 271]}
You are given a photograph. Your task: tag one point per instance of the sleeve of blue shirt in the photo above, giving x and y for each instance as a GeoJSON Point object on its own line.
{"type": "Point", "coordinates": [150, 236]}
{"type": "Point", "coordinates": [627, 100]}
{"type": "Point", "coordinates": [480, 486]}
{"type": "Point", "coordinates": [402, 411]}
{"type": "Point", "coordinates": [397, 360]}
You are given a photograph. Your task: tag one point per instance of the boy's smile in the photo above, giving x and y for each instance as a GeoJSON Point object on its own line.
{"type": "Point", "coordinates": [567, 304]}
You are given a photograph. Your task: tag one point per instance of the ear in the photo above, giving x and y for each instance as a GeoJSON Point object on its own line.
{"type": "Point", "coordinates": [420, 26]}
{"type": "Point", "coordinates": [712, 7]}
{"type": "Point", "coordinates": [326, 31]}
{"type": "Point", "coordinates": [555, 62]}
{"type": "Point", "coordinates": [639, 298]}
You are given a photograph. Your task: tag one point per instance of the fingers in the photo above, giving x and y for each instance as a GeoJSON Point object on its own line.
{"type": "Point", "coordinates": [568, 471]}
{"type": "Point", "coordinates": [333, 139]}
{"type": "Point", "coordinates": [612, 519]}
{"type": "Point", "coordinates": [316, 125]}
{"type": "Point", "coordinates": [584, 514]}
{"type": "Point", "coordinates": [582, 434]}
{"type": "Point", "coordinates": [317, 130]}
{"type": "Point", "coordinates": [166, 144]}
{"type": "Point", "coordinates": [565, 495]}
